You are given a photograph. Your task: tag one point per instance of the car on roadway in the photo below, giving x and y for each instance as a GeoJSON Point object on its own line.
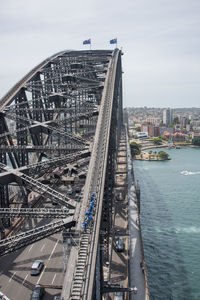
{"type": "Point", "coordinates": [119, 244]}
{"type": "Point", "coordinates": [57, 298]}
{"type": "Point", "coordinates": [37, 293]}
{"type": "Point", "coordinates": [37, 267]}
{"type": "Point", "coordinates": [119, 197]}
{"type": "Point", "coordinates": [3, 297]}
{"type": "Point", "coordinates": [69, 191]}
{"type": "Point", "coordinates": [77, 189]}
{"type": "Point", "coordinates": [119, 295]}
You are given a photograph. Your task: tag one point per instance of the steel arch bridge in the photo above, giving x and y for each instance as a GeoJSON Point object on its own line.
{"type": "Point", "coordinates": [67, 110]}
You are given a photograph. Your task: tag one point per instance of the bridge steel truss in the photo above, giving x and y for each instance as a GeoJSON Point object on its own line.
{"type": "Point", "coordinates": [66, 109]}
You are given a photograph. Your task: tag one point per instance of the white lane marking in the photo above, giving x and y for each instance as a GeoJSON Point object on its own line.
{"type": "Point", "coordinates": [30, 248]}
{"type": "Point", "coordinates": [54, 248]}
{"type": "Point", "coordinates": [24, 279]}
{"type": "Point", "coordinates": [11, 277]}
{"type": "Point", "coordinates": [41, 275]}
{"type": "Point", "coordinates": [53, 279]}
{"type": "Point", "coordinates": [42, 248]}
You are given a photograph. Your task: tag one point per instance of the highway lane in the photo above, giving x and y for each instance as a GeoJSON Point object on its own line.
{"type": "Point", "coordinates": [15, 279]}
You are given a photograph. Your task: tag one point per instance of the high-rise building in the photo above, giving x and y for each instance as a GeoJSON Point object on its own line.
{"type": "Point", "coordinates": [152, 120]}
{"type": "Point", "coordinates": [156, 131]}
{"type": "Point", "coordinates": [167, 116]}
{"type": "Point", "coordinates": [184, 122]}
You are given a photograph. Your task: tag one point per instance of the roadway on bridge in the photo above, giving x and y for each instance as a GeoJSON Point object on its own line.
{"type": "Point", "coordinates": [16, 281]}
{"type": "Point", "coordinates": [125, 266]}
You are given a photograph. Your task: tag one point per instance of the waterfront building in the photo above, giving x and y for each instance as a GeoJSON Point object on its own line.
{"type": "Point", "coordinates": [195, 134]}
{"type": "Point", "coordinates": [148, 128]}
{"type": "Point", "coordinates": [179, 137]}
{"type": "Point", "coordinates": [165, 128]}
{"type": "Point", "coordinates": [142, 134]}
{"type": "Point", "coordinates": [156, 131]}
{"type": "Point", "coordinates": [144, 127]}
{"type": "Point", "coordinates": [167, 134]}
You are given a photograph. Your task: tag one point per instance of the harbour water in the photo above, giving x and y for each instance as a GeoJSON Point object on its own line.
{"type": "Point", "coordinates": [170, 222]}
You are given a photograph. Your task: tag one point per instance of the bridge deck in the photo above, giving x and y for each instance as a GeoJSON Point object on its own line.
{"type": "Point", "coordinates": [124, 267]}
{"type": "Point", "coordinates": [137, 276]}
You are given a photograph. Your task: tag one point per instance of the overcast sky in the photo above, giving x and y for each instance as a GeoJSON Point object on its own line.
{"type": "Point", "coordinates": [160, 40]}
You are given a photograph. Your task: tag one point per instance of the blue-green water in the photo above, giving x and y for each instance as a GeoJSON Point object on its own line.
{"type": "Point", "coordinates": [170, 220]}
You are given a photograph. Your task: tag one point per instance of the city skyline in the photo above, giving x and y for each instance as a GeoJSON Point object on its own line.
{"type": "Point", "coordinates": [160, 42]}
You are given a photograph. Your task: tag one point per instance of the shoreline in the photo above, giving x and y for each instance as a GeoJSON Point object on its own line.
{"type": "Point", "coordinates": [152, 159]}
{"type": "Point", "coordinates": [167, 146]}
{"type": "Point", "coordinates": [146, 155]}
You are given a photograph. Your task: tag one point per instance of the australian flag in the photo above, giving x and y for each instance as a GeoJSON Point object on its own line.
{"type": "Point", "coordinates": [87, 42]}
{"type": "Point", "coordinates": [113, 41]}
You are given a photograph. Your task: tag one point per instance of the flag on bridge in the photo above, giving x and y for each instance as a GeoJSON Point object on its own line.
{"type": "Point", "coordinates": [113, 41]}
{"type": "Point", "coordinates": [87, 42]}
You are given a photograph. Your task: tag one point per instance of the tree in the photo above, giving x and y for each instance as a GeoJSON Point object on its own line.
{"type": "Point", "coordinates": [163, 137]}
{"type": "Point", "coordinates": [162, 155]}
{"type": "Point", "coordinates": [157, 141]}
{"type": "Point", "coordinates": [135, 148]}
{"type": "Point", "coordinates": [138, 128]}
{"type": "Point", "coordinates": [176, 120]}
{"type": "Point", "coordinates": [196, 141]}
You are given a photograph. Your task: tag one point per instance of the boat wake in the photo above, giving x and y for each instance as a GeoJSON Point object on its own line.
{"type": "Point", "coordinates": [190, 229]}
{"type": "Point", "coordinates": [189, 173]}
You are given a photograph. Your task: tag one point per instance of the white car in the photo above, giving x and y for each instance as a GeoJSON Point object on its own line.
{"type": "Point", "coordinates": [69, 192]}
{"type": "Point", "coordinates": [37, 267]}
{"type": "Point", "coordinates": [3, 297]}
{"type": "Point", "coordinates": [119, 295]}
{"type": "Point", "coordinates": [120, 244]}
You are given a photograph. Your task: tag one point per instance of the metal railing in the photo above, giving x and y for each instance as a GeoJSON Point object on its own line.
{"type": "Point", "coordinates": [82, 286]}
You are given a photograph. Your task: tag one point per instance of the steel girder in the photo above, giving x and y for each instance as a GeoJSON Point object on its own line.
{"type": "Point", "coordinates": [40, 188]}
{"type": "Point", "coordinates": [51, 111]}
{"type": "Point", "coordinates": [106, 137]}
{"type": "Point", "coordinates": [35, 213]}
{"type": "Point", "coordinates": [48, 107]}
{"type": "Point", "coordinates": [18, 241]}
